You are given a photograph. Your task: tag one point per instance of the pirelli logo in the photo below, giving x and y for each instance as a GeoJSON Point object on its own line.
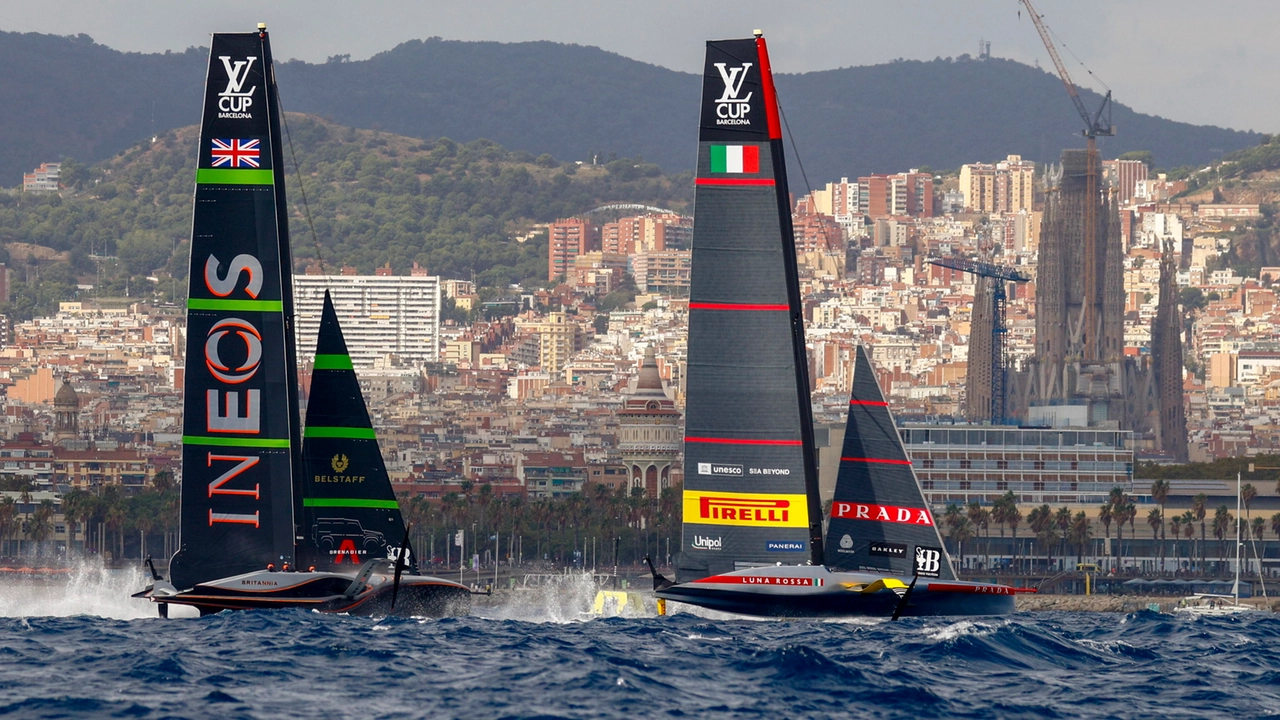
{"type": "Point", "coordinates": [745, 509]}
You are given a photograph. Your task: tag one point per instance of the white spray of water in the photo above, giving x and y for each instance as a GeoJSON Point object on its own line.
{"type": "Point", "coordinates": [553, 599]}
{"type": "Point", "coordinates": [90, 589]}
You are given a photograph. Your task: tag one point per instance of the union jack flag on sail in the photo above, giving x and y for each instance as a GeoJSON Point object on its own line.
{"type": "Point", "coordinates": [234, 153]}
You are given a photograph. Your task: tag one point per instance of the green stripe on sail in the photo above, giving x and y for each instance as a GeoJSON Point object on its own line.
{"type": "Point", "coordinates": [235, 305]}
{"type": "Point", "coordinates": [235, 442]}
{"type": "Point", "coordinates": [225, 176]}
{"type": "Point", "coordinates": [350, 503]}
{"type": "Point", "coordinates": [333, 362]}
{"type": "Point", "coordinates": [719, 158]}
{"type": "Point", "coordinates": [349, 433]}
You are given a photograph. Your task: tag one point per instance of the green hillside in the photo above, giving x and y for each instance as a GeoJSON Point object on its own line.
{"type": "Point", "coordinates": [374, 198]}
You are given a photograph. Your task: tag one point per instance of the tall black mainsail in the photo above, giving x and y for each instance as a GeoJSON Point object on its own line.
{"type": "Point", "coordinates": [241, 439]}
{"type": "Point", "coordinates": [750, 492]}
{"type": "Point", "coordinates": [879, 519]}
{"type": "Point", "coordinates": [349, 511]}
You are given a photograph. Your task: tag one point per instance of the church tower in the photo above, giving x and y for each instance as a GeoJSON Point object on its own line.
{"type": "Point", "coordinates": [649, 432]}
{"type": "Point", "coordinates": [66, 412]}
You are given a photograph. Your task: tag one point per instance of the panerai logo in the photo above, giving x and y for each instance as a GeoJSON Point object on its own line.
{"type": "Point", "coordinates": [234, 102]}
{"type": "Point", "coordinates": [731, 107]}
{"type": "Point", "coordinates": [707, 543]}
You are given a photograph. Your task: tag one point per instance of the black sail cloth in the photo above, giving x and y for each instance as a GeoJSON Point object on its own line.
{"type": "Point", "coordinates": [750, 492]}
{"type": "Point", "coordinates": [879, 518]}
{"type": "Point", "coordinates": [240, 425]}
{"type": "Point", "coordinates": [349, 511]}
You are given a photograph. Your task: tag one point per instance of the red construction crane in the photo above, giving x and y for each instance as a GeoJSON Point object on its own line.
{"type": "Point", "coordinates": [1095, 124]}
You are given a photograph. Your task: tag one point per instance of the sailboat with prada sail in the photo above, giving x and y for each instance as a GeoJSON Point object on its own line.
{"type": "Point", "coordinates": [264, 496]}
{"type": "Point", "coordinates": [753, 520]}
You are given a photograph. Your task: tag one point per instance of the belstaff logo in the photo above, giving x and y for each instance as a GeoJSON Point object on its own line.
{"type": "Point", "coordinates": [339, 463]}
{"type": "Point", "coordinates": [928, 561]}
{"type": "Point", "coordinates": [731, 107]}
{"type": "Point", "coordinates": [235, 101]}
{"type": "Point", "coordinates": [253, 350]}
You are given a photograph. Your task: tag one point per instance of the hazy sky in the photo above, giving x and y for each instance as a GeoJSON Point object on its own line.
{"type": "Point", "coordinates": [1202, 62]}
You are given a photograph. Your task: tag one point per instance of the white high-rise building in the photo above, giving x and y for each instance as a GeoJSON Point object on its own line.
{"type": "Point", "coordinates": [381, 316]}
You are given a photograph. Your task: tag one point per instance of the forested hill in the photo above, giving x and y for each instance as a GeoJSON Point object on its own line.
{"type": "Point", "coordinates": [66, 96]}
{"type": "Point", "coordinates": [459, 210]}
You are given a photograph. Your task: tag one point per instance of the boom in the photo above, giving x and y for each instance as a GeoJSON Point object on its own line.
{"type": "Point", "coordinates": [1094, 123]}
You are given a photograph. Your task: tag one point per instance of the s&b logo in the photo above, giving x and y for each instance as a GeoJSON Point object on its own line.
{"type": "Point", "coordinates": [928, 561]}
{"type": "Point", "coordinates": [732, 107]}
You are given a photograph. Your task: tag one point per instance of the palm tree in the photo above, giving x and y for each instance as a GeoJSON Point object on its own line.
{"type": "Point", "coordinates": [1080, 534]}
{"type": "Point", "coordinates": [9, 514]}
{"type": "Point", "coordinates": [961, 531]}
{"type": "Point", "coordinates": [1156, 522]}
{"type": "Point", "coordinates": [1160, 493]}
{"type": "Point", "coordinates": [1275, 524]}
{"type": "Point", "coordinates": [1221, 523]}
{"type": "Point", "coordinates": [39, 524]}
{"type": "Point", "coordinates": [1105, 517]}
{"type": "Point", "coordinates": [1189, 532]}
{"type": "Point", "coordinates": [1200, 508]}
{"type": "Point", "coordinates": [1127, 514]}
{"type": "Point", "coordinates": [1062, 523]}
{"type": "Point", "coordinates": [1013, 516]}
{"type": "Point", "coordinates": [1039, 520]}
{"type": "Point", "coordinates": [1258, 526]}
{"type": "Point", "coordinates": [1176, 522]}
{"type": "Point", "coordinates": [980, 518]}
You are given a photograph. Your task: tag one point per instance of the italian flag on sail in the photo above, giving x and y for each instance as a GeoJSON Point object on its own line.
{"type": "Point", "coordinates": [735, 158]}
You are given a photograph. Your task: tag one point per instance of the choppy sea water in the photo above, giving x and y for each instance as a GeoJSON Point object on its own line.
{"type": "Point", "coordinates": [84, 649]}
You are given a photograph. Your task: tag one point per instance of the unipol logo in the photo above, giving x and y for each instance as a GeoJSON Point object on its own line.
{"type": "Point", "coordinates": [732, 107]}
{"type": "Point", "coordinates": [234, 102]}
{"type": "Point", "coordinates": [928, 561]}
{"type": "Point", "coordinates": [701, 542]}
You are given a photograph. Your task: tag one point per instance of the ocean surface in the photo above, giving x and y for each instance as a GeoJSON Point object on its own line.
{"type": "Point", "coordinates": [83, 649]}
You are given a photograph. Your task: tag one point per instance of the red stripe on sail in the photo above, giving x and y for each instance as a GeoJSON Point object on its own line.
{"type": "Point", "coordinates": [885, 461]}
{"type": "Point", "coordinates": [770, 98]}
{"type": "Point", "coordinates": [737, 181]}
{"type": "Point", "coordinates": [739, 441]}
{"type": "Point", "coordinates": [736, 306]}
{"type": "Point", "coordinates": [877, 403]}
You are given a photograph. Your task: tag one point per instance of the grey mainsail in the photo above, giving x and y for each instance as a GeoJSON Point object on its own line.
{"type": "Point", "coordinates": [750, 491]}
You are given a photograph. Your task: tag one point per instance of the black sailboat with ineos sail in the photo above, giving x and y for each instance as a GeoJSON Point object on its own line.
{"type": "Point", "coordinates": [259, 501]}
{"type": "Point", "coordinates": [753, 539]}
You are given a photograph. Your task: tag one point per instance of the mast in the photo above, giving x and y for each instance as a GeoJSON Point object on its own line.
{"type": "Point", "coordinates": [1236, 588]}
{"type": "Point", "coordinates": [751, 488]}
{"type": "Point", "coordinates": [241, 442]}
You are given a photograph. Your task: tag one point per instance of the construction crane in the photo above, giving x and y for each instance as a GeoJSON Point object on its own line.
{"type": "Point", "coordinates": [999, 351]}
{"type": "Point", "coordinates": [1095, 125]}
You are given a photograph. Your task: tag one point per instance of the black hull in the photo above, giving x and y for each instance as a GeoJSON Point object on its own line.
{"type": "Point", "coordinates": [418, 596]}
{"type": "Point", "coordinates": [828, 605]}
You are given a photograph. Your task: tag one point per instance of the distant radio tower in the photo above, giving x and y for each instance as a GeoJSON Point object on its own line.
{"type": "Point", "coordinates": [984, 49]}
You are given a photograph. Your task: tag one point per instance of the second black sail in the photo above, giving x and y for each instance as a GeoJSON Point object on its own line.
{"type": "Point", "coordinates": [349, 512]}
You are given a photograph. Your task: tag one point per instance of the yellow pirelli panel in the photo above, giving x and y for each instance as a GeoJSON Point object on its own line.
{"type": "Point", "coordinates": [758, 510]}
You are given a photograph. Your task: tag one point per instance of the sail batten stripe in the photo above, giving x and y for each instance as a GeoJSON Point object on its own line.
{"type": "Point", "coordinates": [886, 461]}
{"type": "Point", "coordinates": [350, 503]}
{"type": "Point", "coordinates": [736, 181]}
{"type": "Point", "coordinates": [235, 305]}
{"type": "Point", "coordinates": [223, 176]}
{"type": "Point", "coordinates": [235, 442]}
{"type": "Point", "coordinates": [332, 362]}
{"type": "Point", "coordinates": [738, 306]}
{"type": "Point", "coordinates": [740, 441]}
{"type": "Point", "coordinates": [876, 403]}
{"type": "Point", "coordinates": [350, 433]}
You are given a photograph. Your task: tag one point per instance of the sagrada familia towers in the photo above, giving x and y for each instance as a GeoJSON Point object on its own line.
{"type": "Point", "coordinates": [1080, 374]}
